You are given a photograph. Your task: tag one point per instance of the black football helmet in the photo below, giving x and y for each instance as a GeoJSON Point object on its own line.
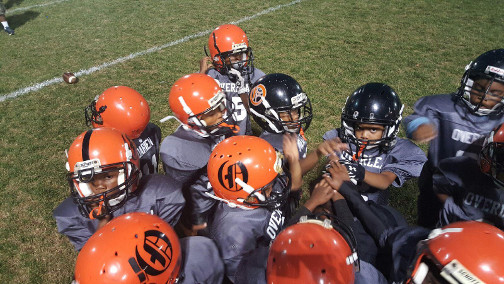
{"type": "Point", "coordinates": [275, 93]}
{"type": "Point", "coordinates": [490, 66]}
{"type": "Point", "coordinates": [373, 103]}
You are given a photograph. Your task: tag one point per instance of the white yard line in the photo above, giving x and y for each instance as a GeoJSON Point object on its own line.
{"type": "Point", "coordinates": [81, 72]}
{"type": "Point", "coordinates": [10, 11]}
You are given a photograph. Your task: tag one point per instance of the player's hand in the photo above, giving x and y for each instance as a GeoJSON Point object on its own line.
{"type": "Point", "coordinates": [196, 228]}
{"type": "Point", "coordinates": [241, 85]}
{"type": "Point", "coordinates": [321, 194]}
{"type": "Point", "coordinates": [336, 175]}
{"type": "Point", "coordinates": [425, 133]}
{"type": "Point", "coordinates": [329, 147]}
{"type": "Point", "coordinates": [290, 149]}
{"type": "Point", "coordinates": [356, 171]}
{"type": "Point", "coordinates": [205, 64]}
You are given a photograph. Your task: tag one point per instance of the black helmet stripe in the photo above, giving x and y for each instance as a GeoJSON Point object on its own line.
{"type": "Point", "coordinates": [85, 145]}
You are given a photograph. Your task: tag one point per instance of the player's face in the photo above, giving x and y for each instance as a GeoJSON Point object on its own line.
{"type": "Point", "coordinates": [214, 116]}
{"type": "Point", "coordinates": [493, 97]}
{"type": "Point", "coordinates": [104, 181]}
{"type": "Point", "coordinates": [288, 116]}
{"type": "Point", "coordinates": [368, 131]}
{"type": "Point", "coordinates": [235, 58]}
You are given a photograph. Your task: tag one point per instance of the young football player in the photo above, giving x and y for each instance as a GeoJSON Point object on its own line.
{"type": "Point", "coordinates": [248, 176]}
{"type": "Point", "coordinates": [455, 124]}
{"type": "Point", "coordinates": [231, 63]}
{"type": "Point", "coordinates": [318, 251]}
{"type": "Point", "coordinates": [473, 189]}
{"type": "Point", "coordinates": [142, 248]}
{"type": "Point", "coordinates": [3, 20]}
{"type": "Point", "coordinates": [376, 158]}
{"type": "Point", "coordinates": [125, 109]}
{"type": "Point", "coordinates": [461, 252]}
{"type": "Point", "coordinates": [105, 182]}
{"type": "Point", "coordinates": [199, 104]}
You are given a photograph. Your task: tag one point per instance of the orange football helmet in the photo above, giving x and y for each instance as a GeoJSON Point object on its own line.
{"type": "Point", "coordinates": [119, 107]}
{"type": "Point", "coordinates": [247, 171]}
{"type": "Point", "coordinates": [492, 156]}
{"type": "Point", "coordinates": [132, 248]}
{"type": "Point", "coordinates": [462, 252]}
{"type": "Point", "coordinates": [229, 40]}
{"type": "Point", "coordinates": [97, 151]}
{"type": "Point", "coordinates": [312, 251]}
{"type": "Point", "coordinates": [197, 94]}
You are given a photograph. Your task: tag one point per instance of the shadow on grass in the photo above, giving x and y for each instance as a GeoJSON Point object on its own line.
{"type": "Point", "coordinates": [9, 4]}
{"type": "Point", "coordinates": [16, 21]}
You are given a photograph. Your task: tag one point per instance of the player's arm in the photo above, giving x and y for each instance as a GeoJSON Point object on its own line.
{"type": "Point", "coordinates": [421, 125]}
{"type": "Point", "coordinates": [324, 149]}
{"type": "Point", "coordinates": [291, 154]}
{"type": "Point", "coordinates": [379, 180]}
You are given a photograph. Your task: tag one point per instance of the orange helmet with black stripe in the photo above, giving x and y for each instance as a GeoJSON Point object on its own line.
{"type": "Point", "coordinates": [95, 152]}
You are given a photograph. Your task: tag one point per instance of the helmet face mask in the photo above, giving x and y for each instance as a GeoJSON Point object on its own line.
{"type": "Point", "coordinates": [223, 125]}
{"type": "Point", "coordinates": [482, 86]}
{"type": "Point", "coordinates": [97, 205]}
{"type": "Point", "coordinates": [279, 105]}
{"type": "Point", "coordinates": [492, 156]}
{"type": "Point", "coordinates": [372, 103]}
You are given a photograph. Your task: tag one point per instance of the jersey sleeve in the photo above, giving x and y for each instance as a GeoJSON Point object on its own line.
{"type": "Point", "coordinates": [454, 175]}
{"type": "Point", "coordinates": [406, 161]}
{"type": "Point", "coordinates": [70, 223]}
{"type": "Point", "coordinates": [169, 198]}
{"type": "Point", "coordinates": [201, 261]}
{"type": "Point", "coordinates": [424, 111]}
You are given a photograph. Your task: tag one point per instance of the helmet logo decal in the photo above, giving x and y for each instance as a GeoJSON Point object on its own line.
{"type": "Point", "coordinates": [257, 94]}
{"type": "Point", "coordinates": [158, 251]}
{"type": "Point", "coordinates": [228, 174]}
{"type": "Point", "coordinates": [298, 99]}
{"type": "Point", "coordinates": [493, 69]}
{"type": "Point", "coordinates": [239, 47]}
{"type": "Point", "coordinates": [355, 114]}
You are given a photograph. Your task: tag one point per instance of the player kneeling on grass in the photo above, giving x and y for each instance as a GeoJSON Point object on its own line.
{"type": "Point", "coordinates": [142, 248]}
{"type": "Point", "coordinates": [231, 63]}
{"type": "Point", "coordinates": [125, 109]}
{"type": "Point", "coordinates": [473, 189]}
{"type": "Point", "coordinates": [105, 182]}
{"type": "Point", "coordinates": [206, 118]}
{"type": "Point", "coordinates": [454, 124]}
{"type": "Point", "coordinates": [248, 175]}
{"type": "Point", "coordinates": [377, 158]}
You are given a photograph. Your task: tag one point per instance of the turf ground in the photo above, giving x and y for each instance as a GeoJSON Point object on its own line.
{"type": "Point", "coordinates": [330, 47]}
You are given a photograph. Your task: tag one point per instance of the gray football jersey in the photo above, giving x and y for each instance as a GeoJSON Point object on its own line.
{"type": "Point", "coordinates": [460, 133]}
{"type": "Point", "coordinates": [240, 115]}
{"type": "Point", "coordinates": [474, 196]}
{"type": "Point", "coordinates": [157, 194]}
{"type": "Point", "coordinates": [148, 148]}
{"type": "Point", "coordinates": [276, 140]}
{"type": "Point", "coordinates": [237, 232]}
{"type": "Point", "coordinates": [201, 262]}
{"type": "Point", "coordinates": [405, 160]}
{"type": "Point", "coordinates": [185, 155]}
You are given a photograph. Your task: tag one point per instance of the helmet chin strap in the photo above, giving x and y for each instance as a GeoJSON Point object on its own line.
{"type": "Point", "coordinates": [421, 273]}
{"type": "Point", "coordinates": [250, 190]}
{"type": "Point", "coordinates": [229, 203]}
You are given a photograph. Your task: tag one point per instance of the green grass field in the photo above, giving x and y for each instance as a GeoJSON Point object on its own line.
{"type": "Point", "coordinates": [330, 47]}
